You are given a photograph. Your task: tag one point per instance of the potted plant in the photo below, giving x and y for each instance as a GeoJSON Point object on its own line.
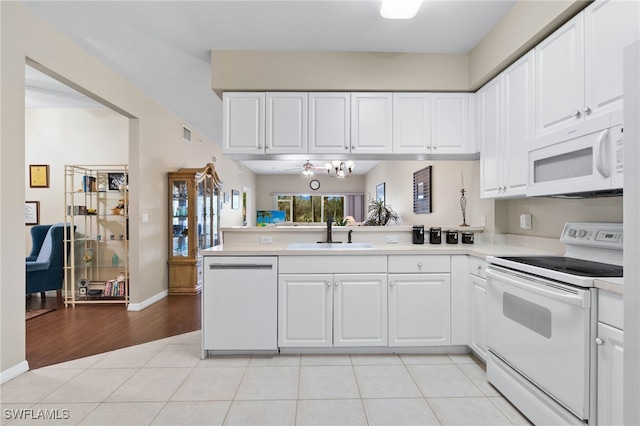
{"type": "Point", "coordinates": [380, 214]}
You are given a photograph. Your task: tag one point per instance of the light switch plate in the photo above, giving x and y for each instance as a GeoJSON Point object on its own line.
{"type": "Point", "coordinates": [392, 239]}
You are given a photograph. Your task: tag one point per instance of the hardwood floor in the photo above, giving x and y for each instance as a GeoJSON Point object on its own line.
{"type": "Point", "coordinates": [71, 333]}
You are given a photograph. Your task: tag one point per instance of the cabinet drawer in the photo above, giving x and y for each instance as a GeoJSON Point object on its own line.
{"type": "Point", "coordinates": [412, 264]}
{"type": "Point", "coordinates": [477, 266]}
{"type": "Point", "coordinates": [345, 264]}
{"type": "Point", "coordinates": [610, 308]}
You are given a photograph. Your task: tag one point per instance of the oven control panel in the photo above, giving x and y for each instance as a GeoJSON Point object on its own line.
{"type": "Point", "coordinates": [593, 234]}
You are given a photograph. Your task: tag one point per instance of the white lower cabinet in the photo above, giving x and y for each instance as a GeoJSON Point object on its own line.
{"type": "Point", "coordinates": [419, 300]}
{"type": "Point", "coordinates": [477, 296]}
{"type": "Point", "coordinates": [332, 310]}
{"type": "Point", "coordinates": [610, 374]}
{"type": "Point", "coordinates": [610, 343]}
{"type": "Point", "coordinates": [419, 310]}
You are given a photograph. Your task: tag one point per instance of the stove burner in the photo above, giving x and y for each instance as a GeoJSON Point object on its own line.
{"type": "Point", "coordinates": [569, 265]}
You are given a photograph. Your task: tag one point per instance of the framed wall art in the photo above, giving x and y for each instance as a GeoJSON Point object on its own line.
{"type": "Point", "coordinates": [235, 199]}
{"type": "Point", "coordinates": [32, 212]}
{"type": "Point", "coordinates": [39, 175]}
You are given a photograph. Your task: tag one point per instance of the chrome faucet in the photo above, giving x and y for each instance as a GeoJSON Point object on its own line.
{"type": "Point", "coordinates": [329, 221]}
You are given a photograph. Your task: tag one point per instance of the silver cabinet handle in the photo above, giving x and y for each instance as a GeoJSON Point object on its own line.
{"type": "Point", "coordinates": [337, 283]}
{"type": "Point", "coordinates": [392, 284]}
{"type": "Point", "coordinates": [259, 146]}
{"type": "Point", "coordinates": [478, 268]}
{"type": "Point", "coordinates": [353, 147]}
{"type": "Point", "coordinates": [576, 113]}
{"type": "Point", "coordinates": [435, 147]}
{"type": "Point", "coordinates": [586, 110]}
{"type": "Point", "coordinates": [599, 341]}
{"type": "Point", "coordinates": [419, 264]}
{"type": "Point", "coordinates": [328, 283]}
{"type": "Point", "coordinates": [346, 147]}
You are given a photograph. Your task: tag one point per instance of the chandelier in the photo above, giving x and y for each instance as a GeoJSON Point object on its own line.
{"type": "Point", "coordinates": [339, 169]}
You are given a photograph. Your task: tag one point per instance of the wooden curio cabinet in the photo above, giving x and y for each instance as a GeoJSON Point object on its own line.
{"type": "Point", "coordinates": [193, 225]}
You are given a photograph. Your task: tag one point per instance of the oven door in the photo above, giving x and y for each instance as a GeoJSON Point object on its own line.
{"type": "Point", "coordinates": [541, 329]}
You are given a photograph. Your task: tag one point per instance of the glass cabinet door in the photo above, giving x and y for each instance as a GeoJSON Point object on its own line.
{"type": "Point", "coordinates": [180, 218]}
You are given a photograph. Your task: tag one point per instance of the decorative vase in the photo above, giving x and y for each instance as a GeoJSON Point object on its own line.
{"type": "Point", "coordinates": [88, 257]}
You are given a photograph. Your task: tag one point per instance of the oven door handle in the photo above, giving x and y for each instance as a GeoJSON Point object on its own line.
{"type": "Point", "coordinates": [541, 288]}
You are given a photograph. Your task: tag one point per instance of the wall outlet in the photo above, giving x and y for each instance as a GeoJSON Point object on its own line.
{"type": "Point", "coordinates": [145, 218]}
{"type": "Point", "coordinates": [525, 221]}
{"type": "Point", "coordinates": [392, 239]}
{"type": "Point", "coordinates": [483, 220]}
{"type": "Point", "coordinates": [265, 239]}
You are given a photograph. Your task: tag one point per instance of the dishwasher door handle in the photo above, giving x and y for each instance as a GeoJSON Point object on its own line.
{"type": "Point", "coordinates": [236, 266]}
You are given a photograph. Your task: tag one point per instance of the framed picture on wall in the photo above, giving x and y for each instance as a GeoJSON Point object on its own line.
{"type": "Point", "coordinates": [235, 199]}
{"type": "Point", "coordinates": [39, 175]}
{"type": "Point", "coordinates": [32, 212]}
{"type": "Point", "coordinates": [380, 192]}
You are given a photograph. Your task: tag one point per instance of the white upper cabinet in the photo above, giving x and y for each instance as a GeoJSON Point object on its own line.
{"type": "Point", "coordinates": [489, 101]}
{"type": "Point", "coordinates": [579, 67]}
{"type": "Point", "coordinates": [329, 123]}
{"type": "Point", "coordinates": [449, 123]}
{"type": "Point", "coordinates": [243, 123]}
{"type": "Point", "coordinates": [518, 126]}
{"type": "Point", "coordinates": [286, 123]}
{"type": "Point", "coordinates": [505, 129]}
{"type": "Point", "coordinates": [411, 123]}
{"type": "Point", "coordinates": [560, 77]}
{"type": "Point", "coordinates": [371, 123]}
{"type": "Point", "coordinates": [609, 26]}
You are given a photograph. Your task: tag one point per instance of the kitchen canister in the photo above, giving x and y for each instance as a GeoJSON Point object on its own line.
{"type": "Point", "coordinates": [435, 235]}
{"type": "Point", "coordinates": [452, 236]}
{"type": "Point", "coordinates": [418, 234]}
{"type": "Point", "coordinates": [467, 238]}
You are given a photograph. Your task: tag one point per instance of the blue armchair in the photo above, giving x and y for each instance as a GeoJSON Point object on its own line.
{"type": "Point", "coordinates": [45, 264]}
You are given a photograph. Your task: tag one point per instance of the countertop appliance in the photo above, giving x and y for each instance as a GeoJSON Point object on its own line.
{"type": "Point", "coordinates": [542, 321]}
{"type": "Point", "coordinates": [239, 305]}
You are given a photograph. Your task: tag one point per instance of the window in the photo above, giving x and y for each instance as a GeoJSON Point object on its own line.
{"type": "Point", "coordinates": [311, 208]}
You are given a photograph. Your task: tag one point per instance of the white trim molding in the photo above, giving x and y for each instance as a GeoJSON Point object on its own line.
{"type": "Point", "coordinates": [134, 307]}
{"type": "Point", "coordinates": [13, 372]}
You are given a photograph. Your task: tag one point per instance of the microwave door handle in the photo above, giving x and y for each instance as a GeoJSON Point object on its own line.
{"type": "Point", "coordinates": [601, 154]}
{"type": "Point", "coordinates": [541, 289]}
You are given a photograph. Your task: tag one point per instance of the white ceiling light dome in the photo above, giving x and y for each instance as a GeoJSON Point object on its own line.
{"type": "Point", "coordinates": [399, 9]}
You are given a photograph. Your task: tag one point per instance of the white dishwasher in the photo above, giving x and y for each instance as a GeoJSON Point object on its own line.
{"type": "Point", "coordinates": [240, 305]}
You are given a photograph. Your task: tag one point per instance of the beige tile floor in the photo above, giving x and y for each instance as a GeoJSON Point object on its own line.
{"type": "Point", "coordinates": [166, 383]}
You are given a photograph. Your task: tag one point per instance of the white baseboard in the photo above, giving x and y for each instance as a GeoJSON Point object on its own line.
{"type": "Point", "coordinates": [13, 372]}
{"type": "Point", "coordinates": [146, 303]}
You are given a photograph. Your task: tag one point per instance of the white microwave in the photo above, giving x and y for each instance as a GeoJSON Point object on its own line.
{"type": "Point", "coordinates": [589, 162]}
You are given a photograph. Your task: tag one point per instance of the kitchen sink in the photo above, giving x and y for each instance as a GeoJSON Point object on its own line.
{"type": "Point", "coordinates": [330, 246]}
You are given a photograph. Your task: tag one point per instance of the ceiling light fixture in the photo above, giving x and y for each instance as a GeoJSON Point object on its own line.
{"type": "Point", "coordinates": [340, 169]}
{"type": "Point", "coordinates": [399, 9]}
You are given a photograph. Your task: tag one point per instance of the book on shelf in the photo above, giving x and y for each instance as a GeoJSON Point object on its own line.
{"type": "Point", "coordinates": [89, 184]}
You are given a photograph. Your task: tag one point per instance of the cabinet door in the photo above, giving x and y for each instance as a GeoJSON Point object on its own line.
{"type": "Point", "coordinates": [329, 123]}
{"type": "Point", "coordinates": [560, 78]}
{"type": "Point", "coordinates": [609, 26]}
{"type": "Point", "coordinates": [518, 124]}
{"type": "Point", "coordinates": [419, 309]}
{"type": "Point", "coordinates": [286, 123]}
{"type": "Point", "coordinates": [243, 123]}
{"type": "Point", "coordinates": [305, 310]}
{"type": "Point", "coordinates": [477, 329]}
{"type": "Point", "coordinates": [489, 100]}
{"type": "Point", "coordinates": [450, 123]}
{"type": "Point", "coordinates": [610, 375]}
{"type": "Point", "coordinates": [411, 123]}
{"type": "Point", "coordinates": [360, 310]}
{"type": "Point", "coordinates": [371, 123]}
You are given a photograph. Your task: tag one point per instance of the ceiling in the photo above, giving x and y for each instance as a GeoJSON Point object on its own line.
{"type": "Point", "coordinates": [163, 47]}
